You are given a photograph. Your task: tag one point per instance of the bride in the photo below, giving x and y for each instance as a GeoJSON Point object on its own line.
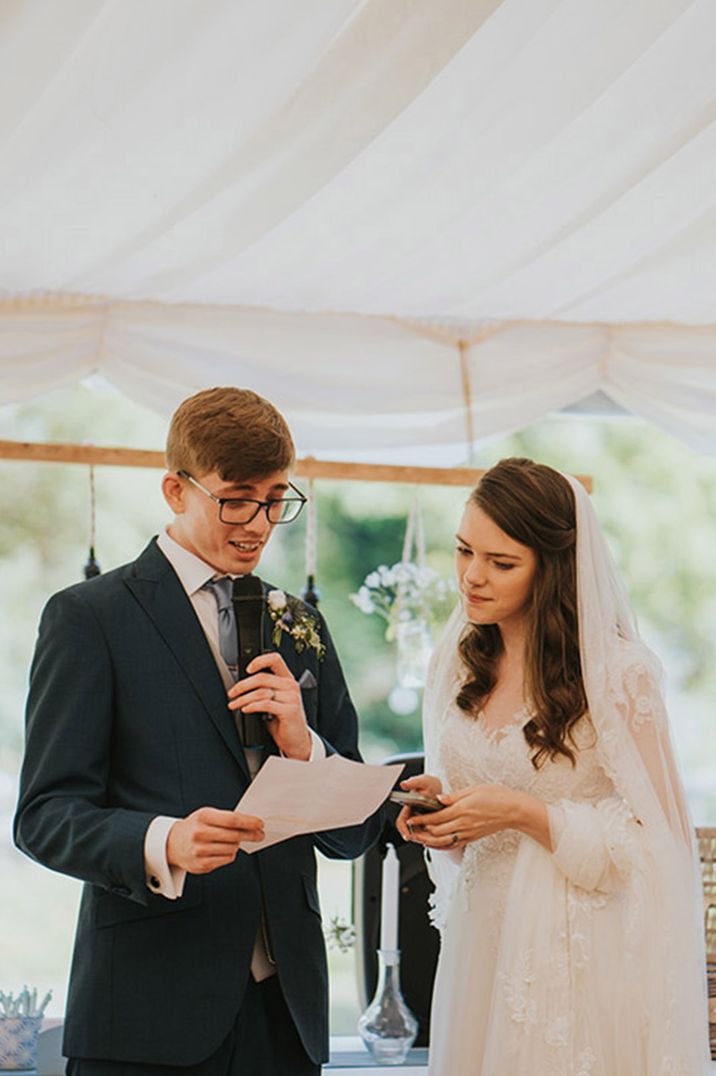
{"type": "Point", "coordinates": [567, 883]}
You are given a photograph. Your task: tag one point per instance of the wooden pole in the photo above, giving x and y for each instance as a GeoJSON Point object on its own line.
{"type": "Point", "coordinates": [308, 467]}
{"type": "Point", "coordinates": [463, 349]}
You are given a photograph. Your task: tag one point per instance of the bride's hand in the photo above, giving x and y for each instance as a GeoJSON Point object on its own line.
{"type": "Point", "coordinates": [467, 816]}
{"type": "Point", "coordinates": [427, 785]}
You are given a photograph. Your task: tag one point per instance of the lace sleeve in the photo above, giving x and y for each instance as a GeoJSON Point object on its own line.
{"type": "Point", "coordinates": [594, 845]}
{"type": "Point", "coordinates": [639, 703]}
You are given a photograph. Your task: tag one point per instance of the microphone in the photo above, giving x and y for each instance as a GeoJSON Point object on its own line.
{"type": "Point", "coordinates": [249, 604]}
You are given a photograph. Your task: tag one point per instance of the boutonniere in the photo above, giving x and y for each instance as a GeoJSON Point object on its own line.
{"type": "Point", "coordinates": [290, 615]}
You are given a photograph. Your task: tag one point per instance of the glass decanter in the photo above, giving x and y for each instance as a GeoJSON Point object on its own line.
{"type": "Point", "coordinates": [387, 1027]}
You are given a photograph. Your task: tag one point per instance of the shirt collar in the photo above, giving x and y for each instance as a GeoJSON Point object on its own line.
{"type": "Point", "coordinates": [193, 572]}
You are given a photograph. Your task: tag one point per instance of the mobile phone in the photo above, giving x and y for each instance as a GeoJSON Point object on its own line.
{"type": "Point", "coordinates": [420, 803]}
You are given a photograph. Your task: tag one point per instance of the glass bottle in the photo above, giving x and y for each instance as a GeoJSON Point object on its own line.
{"type": "Point", "coordinates": [387, 1027]}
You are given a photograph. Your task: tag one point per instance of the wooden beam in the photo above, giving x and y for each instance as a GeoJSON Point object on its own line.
{"type": "Point", "coordinates": [63, 453]}
{"type": "Point", "coordinates": [308, 467]}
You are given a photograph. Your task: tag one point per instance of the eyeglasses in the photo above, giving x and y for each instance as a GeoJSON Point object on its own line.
{"type": "Point", "coordinates": [245, 509]}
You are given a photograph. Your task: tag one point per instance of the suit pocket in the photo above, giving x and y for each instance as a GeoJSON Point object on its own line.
{"type": "Point", "coordinates": [309, 888]}
{"type": "Point", "coordinates": [109, 909]}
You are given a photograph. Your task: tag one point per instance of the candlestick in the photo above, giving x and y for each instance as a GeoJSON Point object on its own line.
{"type": "Point", "coordinates": [390, 897]}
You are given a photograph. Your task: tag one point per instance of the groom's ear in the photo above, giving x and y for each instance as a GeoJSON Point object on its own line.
{"type": "Point", "coordinates": [174, 491]}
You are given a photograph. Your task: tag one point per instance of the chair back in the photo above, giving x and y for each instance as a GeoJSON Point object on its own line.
{"type": "Point", "coordinates": [706, 839]}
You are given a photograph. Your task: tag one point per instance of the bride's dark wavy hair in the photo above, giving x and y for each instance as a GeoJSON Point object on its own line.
{"type": "Point", "coordinates": [535, 506]}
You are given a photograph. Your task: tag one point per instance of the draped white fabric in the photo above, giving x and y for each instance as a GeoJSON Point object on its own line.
{"type": "Point", "coordinates": [319, 199]}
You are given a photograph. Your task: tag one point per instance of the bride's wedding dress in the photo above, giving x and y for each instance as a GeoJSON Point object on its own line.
{"type": "Point", "coordinates": [530, 966]}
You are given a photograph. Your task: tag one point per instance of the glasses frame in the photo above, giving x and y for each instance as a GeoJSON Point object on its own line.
{"type": "Point", "coordinates": [301, 499]}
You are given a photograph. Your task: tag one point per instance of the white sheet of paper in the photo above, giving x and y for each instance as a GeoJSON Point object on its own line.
{"type": "Point", "coordinates": [306, 797]}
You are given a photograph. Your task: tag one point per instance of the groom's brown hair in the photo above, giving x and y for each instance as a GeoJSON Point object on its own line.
{"type": "Point", "coordinates": [232, 431]}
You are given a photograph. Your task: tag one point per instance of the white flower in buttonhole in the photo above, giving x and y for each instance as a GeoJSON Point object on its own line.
{"type": "Point", "coordinates": [290, 615]}
{"type": "Point", "coordinates": [277, 600]}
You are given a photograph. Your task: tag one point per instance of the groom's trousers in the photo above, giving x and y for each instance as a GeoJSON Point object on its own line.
{"type": "Point", "coordinates": [262, 1042]}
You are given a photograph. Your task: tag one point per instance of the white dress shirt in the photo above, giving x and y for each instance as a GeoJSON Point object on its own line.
{"type": "Point", "coordinates": [193, 574]}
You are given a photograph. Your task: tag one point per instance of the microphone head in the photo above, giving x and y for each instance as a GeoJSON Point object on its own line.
{"type": "Point", "coordinates": [247, 588]}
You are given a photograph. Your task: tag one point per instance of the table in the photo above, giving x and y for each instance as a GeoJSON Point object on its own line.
{"type": "Point", "coordinates": [349, 1057]}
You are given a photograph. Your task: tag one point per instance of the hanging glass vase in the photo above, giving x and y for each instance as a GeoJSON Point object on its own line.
{"type": "Point", "coordinates": [387, 1027]}
{"type": "Point", "coordinates": [411, 625]}
{"type": "Point", "coordinates": [414, 645]}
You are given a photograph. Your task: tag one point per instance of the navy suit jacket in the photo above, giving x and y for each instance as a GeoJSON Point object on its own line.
{"type": "Point", "coordinates": [127, 719]}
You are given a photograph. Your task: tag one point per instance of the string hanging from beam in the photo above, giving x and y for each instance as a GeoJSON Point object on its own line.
{"type": "Point", "coordinates": [310, 592]}
{"type": "Point", "coordinates": [91, 566]}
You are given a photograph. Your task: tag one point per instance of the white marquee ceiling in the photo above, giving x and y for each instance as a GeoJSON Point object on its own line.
{"type": "Point", "coordinates": [318, 199]}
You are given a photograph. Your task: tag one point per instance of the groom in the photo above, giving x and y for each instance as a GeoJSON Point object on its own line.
{"type": "Point", "coordinates": [191, 957]}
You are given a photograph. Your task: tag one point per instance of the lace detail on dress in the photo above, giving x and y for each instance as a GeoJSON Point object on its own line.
{"type": "Point", "coordinates": [586, 1061]}
{"type": "Point", "coordinates": [636, 695]}
{"type": "Point", "coordinates": [516, 989]}
{"type": "Point", "coordinates": [472, 755]}
{"type": "Point", "coordinates": [581, 906]}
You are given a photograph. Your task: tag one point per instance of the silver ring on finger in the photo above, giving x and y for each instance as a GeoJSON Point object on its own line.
{"type": "Point", "coordinates": [455, 838]}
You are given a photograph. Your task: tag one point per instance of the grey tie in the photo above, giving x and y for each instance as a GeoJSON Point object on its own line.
{"type": "Point", "coordinates": [228, 636]}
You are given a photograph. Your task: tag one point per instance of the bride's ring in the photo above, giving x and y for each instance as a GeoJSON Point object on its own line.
{"type": "Point", "coordinates": [455, 838]}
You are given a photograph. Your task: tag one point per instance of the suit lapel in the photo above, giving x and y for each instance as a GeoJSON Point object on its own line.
{"type": "Point", "coordinates": [156, 587]}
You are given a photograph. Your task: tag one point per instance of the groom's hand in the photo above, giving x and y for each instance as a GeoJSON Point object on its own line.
{"type": "Point", "coordinates": [271, 689]}
{"type": "Point", "coordinates": [210, 838]}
